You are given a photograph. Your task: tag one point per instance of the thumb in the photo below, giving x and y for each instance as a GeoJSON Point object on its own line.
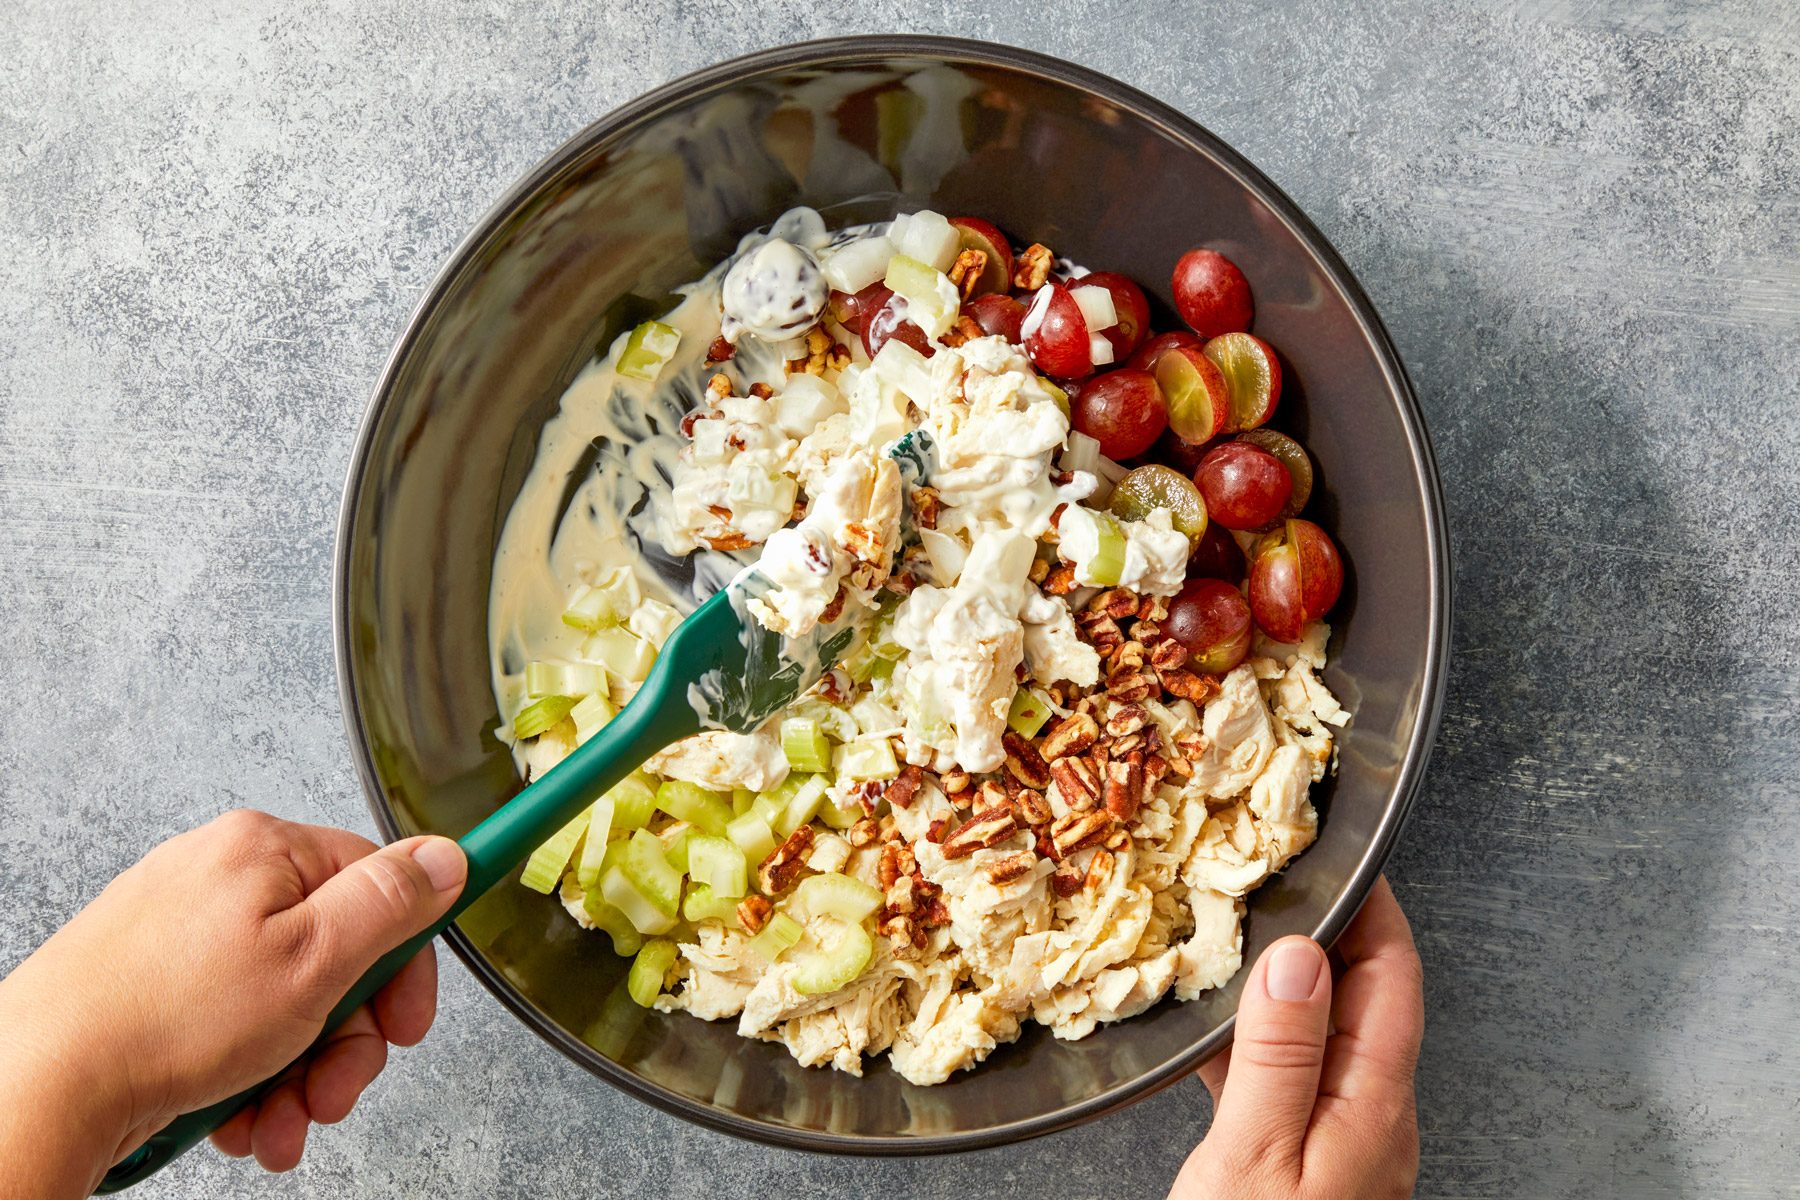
{"type": "Point", "coordinates": [1276, 1054]}
{"type": "Point", "coordinates": [381, 899]}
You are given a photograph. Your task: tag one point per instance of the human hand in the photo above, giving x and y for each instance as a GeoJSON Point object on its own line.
{"type": "Point", "coordinates": [1315, 1096]}
{"type": "Point", "coordinates": [204, 969]}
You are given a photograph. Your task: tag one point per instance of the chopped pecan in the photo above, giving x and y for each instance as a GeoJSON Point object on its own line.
{"type": "Point", "coordinates": [1128, 657]}
{"type": "Point", "coordinates": [887, 867]}
{"type": "Point", "coordinates": [899, 929]}
{"type": "Point", "coordinates": [1118, 839]}
{"type": "Point", "coordinates": [1032, 807]}
{"type": "Point", "coordinates": [1155, 768]}
{"type": "Point", "coordinates": [1033, 267]}
{"type": "Point", "coordinates": [718, 387]}
{"type": "Point", "coordinates": [1128, 685]}
{"type": "Point", "coordinates": [984, 829]}
{"type": "Point", "coordinates": [965, 330]}
{"type": "Point", "coordinates": [905, 859]}
{"type": "Point", "coordinates": [901, 583]}
{"type": "Point", "coordinates": [966, 271]}
{"type": "Point", "coordinates": [863, 542]}
{"type": "Point", "coordinates": [720, 350]}
{"type": "Point", "coordinates": [1191, 745]}
{"type": "Point", "coordinates": [904, 786]}
{"type": "Point", "coordinates": [1060, 581]}
{"type": "Point", "coordinates": [1125, 785]}
{"type": "Point", "coordinates": [1100, 869]}
{"type": "Point", "coordinates": [1130, 743]}
{"type": "Point", "coordinates": [1127, 718]}
{"type": "Point", "coordinates": [1147, 632]}
{"type": "Point", "coordinates": [1075, 830]}
{"type": "Point", "coordinates": [692, 419]}
{"type": "Point", "coordinates": [1103, 633]}
{"type": "Point", "coordinates": [835, 609]}
{"type": "Point", "coordinates": [761, 391]}
{"type": "Point", "coordinates": [934, 914]}
{"type": "Point", "coordinates": [1039, 571]}
{"type": "Point", "coordinates": [1023, 762]}
{"type": "Point", "coordinates": [900, 895]}
{"type": "Point", "coordinates": [1153, 608]}
{"type": "Point", "coordinates": [1011, 867]}
{"type": "Point", "coordinates": [864, 832]}
{"type": "Point", "coordinates": [782, 868]}
{"type": "Point", "coordinates": [953, 781]}
{"type": "Point", "coordinates": [1072, 735]}
{"type": "Point", "coordinates": [1174, 764]}
{"type": "Point", "coordinates": [753, 912]}
{"type": "Point", "coordinates": [925, 507]}
{"type": "Point", "coordinates": [1044, 846]}
{"type": "Point", "coordinates": [1168, 654]}
{"type": "Point", "coordinates": [1066, 882]}
{"type": "Point", "coordinates": [990, 795]}
{"type": "Point", "coordinates": [1077, 780]}
{"type": "Point", "coordinates": [729, 541]}
{"type": "Point", "coordinates": [934, 832]}
{"type": "Point", "coordinates": [866, 793]}
{"type": "Point", "coordinates": [1115, 603]}
{"type": "Point", "coordinates": [1189, 686]}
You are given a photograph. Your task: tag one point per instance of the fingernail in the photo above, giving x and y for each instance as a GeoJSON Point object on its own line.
{"type": "Point", "coordinates": [1293, 971]}
{"type": "Point", "coordinates": [443, 861]}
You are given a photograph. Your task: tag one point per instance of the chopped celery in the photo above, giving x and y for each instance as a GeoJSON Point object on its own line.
{"type": "Point", "coordinates": [718, 863]}
{"type": "Point", "coordinates": [772, 803]}
{"type": "Point", "coordinates": [544, 869]}
{"type": "Point", "coordinates": [804, 744]}
{"type": "Point", "coordinates": [837, 961]}
{"type": "Point", "coordinates": [1094, 542]}
{"type": "Point", "coordinates": [777, 937]}
{"type": "Point", "coordinates": [741, 800]}
{"type": "Point", "coordinates": [692, 803]}
{"type": "Point", "coordinates": [620, 651]}
{"type": "Point", "coordinates": [704, 904]}
{"type": "Point", "coordinates": [840, 816]}
{"type": "Point", "coordinates": [586, 610]}
{"type": "Point", "coordinates": [752, 835]}
{"type": "Point", "coordinates": [634, 801]}
{"type": "Point", "coordinates": [648, 971]}
{"type": "Point", "coordinates": [541, 714]}
{"type": "Point", "coordinates": [614, 923]}
{"type": "Point", "coordinates": [874, 717]}
{"type": "Point", "coordinates": [931, 299]}
{"type": "Point", "coordinates": [589, 715]}
{"type": "Point", "coordinates": [675, 840]}
{"type": "Point", "coordinates": [803, 807]}
{"type": "Point", "coordinates": [563, 679]}
{"type": "Point", "coordinates": [622, 894]}
{"type": "Point", "coordinates": [648, 350]}
{"type": "Point", "coordinates": [867, 758]}
{"type": "Point", "coordinates": [650, 873]}
{"type": "Point", "coordinates": [609, 602]}
{"type": "Point", "coordinates": [1030, 709]}
{"type": "Point", "coordinates": [593, 850]}
{"type": "Point", "coordinates": [835, 896]}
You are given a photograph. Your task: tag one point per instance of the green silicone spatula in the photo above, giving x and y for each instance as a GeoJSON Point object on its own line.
{"type": "Point", "coordinates": [719, 669]}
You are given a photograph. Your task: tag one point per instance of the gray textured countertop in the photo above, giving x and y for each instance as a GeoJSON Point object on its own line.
{"type": "Point", "coordinates": [1580, 222]}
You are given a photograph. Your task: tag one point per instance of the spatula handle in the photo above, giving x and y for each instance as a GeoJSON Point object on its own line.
{"type": "Point", "coordinates": [652, 720]}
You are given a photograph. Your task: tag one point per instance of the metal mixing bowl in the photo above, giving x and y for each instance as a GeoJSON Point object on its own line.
{"type": "Point", "coordinates": [589, 243]}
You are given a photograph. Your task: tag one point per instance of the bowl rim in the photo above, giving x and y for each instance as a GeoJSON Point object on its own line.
{"type": "Point", "coordinates": [1183, 130]}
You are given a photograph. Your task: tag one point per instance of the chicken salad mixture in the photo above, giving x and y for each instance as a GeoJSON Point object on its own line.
{"type": "Point", "coordinates": [1084, 714]}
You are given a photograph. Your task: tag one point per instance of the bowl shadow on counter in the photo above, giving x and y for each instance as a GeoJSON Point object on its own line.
{"type": "Point", "coordinates": [1549, 919]}
{"type": "Point", "coordinates": [602, 236]}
